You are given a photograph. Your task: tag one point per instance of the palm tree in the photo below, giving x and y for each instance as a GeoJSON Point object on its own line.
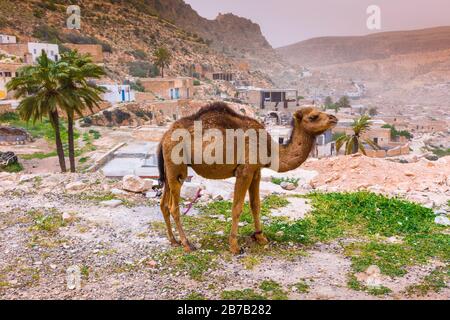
{"type": "Point", "coordinates": [162, 58]}
{"type": "Point", "coordinates": [354, 142]}
{"type": "Point", "coordinates": [344, 102]}
{"type": "Point", "coordinates": [39, 87]}
{"type": "Point", "coordinates": [80, 92]}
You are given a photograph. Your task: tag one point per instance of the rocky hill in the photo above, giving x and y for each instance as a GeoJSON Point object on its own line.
{"type": "Point", "coordinates": [334, 50]}
{"type": "Point", "coordinates": [130, 31]}
{"type": "Point", "coordinates": [397, 68]}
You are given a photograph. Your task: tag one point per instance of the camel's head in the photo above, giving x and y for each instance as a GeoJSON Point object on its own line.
{"type": "Point", "coordinates": [314, 121]}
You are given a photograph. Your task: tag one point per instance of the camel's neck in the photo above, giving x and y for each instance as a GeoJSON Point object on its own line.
{"type": "Point", "coordinates": [297, 151]}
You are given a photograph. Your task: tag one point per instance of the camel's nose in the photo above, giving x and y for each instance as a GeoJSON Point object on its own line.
{"type": "Point", "coordinates": [332, 118]}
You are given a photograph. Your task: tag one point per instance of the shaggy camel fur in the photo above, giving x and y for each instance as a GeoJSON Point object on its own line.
{"type": "Point", "coordinates": [307, 124]}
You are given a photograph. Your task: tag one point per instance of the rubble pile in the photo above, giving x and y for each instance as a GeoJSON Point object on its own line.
{"type": "Point", "coordinates": [426, 182]}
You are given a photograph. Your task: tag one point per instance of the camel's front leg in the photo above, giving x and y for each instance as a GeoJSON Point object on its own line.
{"type": "Point", "coordinates": [255, 205]}
{"type": "Point", "coordinates": [243, 180]}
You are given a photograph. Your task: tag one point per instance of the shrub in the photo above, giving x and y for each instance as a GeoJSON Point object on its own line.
{"type": "Point", "coordinates": [121, 116]}
{"type": "Point", "coordinates": [47, 33]}
{"type": "Point", "coordinates": [142, 69]}
{"type": "Point", "coordinates": [196, 82]}
{"type": "Point", "coordinates": [139, 54]}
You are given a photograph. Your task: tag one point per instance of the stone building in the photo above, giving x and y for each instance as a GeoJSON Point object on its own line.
{"type": "Point", "coordinates": [169, 88]}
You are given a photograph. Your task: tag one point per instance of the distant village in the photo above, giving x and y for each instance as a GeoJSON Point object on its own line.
{"type": "Point", "coordinates": [146, 105]}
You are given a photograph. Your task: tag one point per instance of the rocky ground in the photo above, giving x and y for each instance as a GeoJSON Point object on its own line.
{"type": "Point", "coordinates": [115, 241]}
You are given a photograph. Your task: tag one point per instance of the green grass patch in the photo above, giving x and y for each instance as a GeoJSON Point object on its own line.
{"type": "Point", "coordinates": [301, 286]}
{"type": "Point", "coordinates": [195, 296]}
{"type": "Point", "coordinates": [195, 264]}
{"type": "Point", "coordinates": [49, 221]}
{"type": "Point", "coordinates": [39, 155]}
{"type": "Point", "coordinates": [279, 181]}
{"type": "Point", "coordinates": [273, 290]}
{"type": "Point", "coordinates": [367, 216]}
{"type": "Point", "coordinates": [12, 168]}
{"type": "Point", "coordinates": [434, 282]}
{"type": "Point", "coordinates": [354, 284]}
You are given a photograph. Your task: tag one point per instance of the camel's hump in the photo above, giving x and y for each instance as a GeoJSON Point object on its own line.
{"type": "Point", "coordinates": [215, 108]}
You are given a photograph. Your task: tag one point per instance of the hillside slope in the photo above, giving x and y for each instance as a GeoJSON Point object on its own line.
{"type": "Point", "coordinates": [130, 31]}
{"type": "Point", "coordinates": [333, 50]}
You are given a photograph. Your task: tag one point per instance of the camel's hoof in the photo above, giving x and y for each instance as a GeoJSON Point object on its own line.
{"type": "Point", "coordinates": [260, 239]}
{"type": "Point", "coordinates": [175, 243]}
{"type": "Point", "coordinates": [189, 248]}
{"type": "Point", "coordinates": [237, 250]}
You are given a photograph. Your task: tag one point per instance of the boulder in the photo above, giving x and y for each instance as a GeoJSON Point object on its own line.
{"type": "Point", "coordinates": [189, 190]}
{"type": "Point", "coordinates": [136, 184]}
{"type": "Point", "coordinates": [442, 220]}
{"type": "Point", "coordinates": [111, 203]}
{"type": "Point", "coordinates": [75, 186]}
{"type": "Point", "coordinates": [288, 185]}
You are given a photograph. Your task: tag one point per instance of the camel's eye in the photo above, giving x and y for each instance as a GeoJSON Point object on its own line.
{"type": "Point", "coordinates": [314, 117]}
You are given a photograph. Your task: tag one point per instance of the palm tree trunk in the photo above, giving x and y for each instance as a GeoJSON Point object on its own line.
{"type": "Point", "coordinates": [162, 72]}
{"type": "Point", "coordinates": [54, 118]}
{"type": "Point", "coordinates": [355, 147]}
{"type": "Point", "coordinates": [71, 143]}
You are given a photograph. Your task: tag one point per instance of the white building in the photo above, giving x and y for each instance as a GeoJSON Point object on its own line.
{"type": "Point", "coordinates": [117, 93]}
{"type": "Point", "coordinates": [5, 38]}
{"type": "Point", "coordinates": [324, 146]}
{"type": "Point", "coordinates": [36, 49]}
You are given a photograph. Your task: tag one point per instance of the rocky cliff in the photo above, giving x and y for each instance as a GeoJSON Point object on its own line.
{"type": "Point", "coordinates": [130, 31]}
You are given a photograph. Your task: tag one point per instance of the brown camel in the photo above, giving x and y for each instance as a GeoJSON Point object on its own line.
{"type": "Point", "coordinates": [307, 124]}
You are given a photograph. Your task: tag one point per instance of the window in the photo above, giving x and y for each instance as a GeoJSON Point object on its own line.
{"type": "Point", "coordinates": [34, 51]}
{"type": "Point", "coordinates": [8, 74]}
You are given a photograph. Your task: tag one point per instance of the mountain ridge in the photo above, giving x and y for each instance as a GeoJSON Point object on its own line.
{"type": "Point", "coordinates": [323, 51]}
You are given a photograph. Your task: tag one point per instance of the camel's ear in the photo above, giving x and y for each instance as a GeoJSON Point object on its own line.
{"type": "Point", "coordinates": [298, 115]}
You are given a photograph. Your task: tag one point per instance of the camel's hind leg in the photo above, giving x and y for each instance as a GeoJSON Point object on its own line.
{"type": "Point", "coordinates": [175, 181]}
{"type": "Point", "coordinates": [165, 203]}
{"type": "Point", "coordinates": [255, 205]}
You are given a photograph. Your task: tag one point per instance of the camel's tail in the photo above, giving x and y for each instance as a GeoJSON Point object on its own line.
{"type": "Point", "coordinates": [162, 173]}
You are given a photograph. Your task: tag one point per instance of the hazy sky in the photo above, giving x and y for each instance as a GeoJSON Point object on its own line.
{"type": "Point", "coordinates": [287, 21]}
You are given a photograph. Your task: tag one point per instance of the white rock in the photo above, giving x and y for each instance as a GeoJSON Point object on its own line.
{"type": "Point", "coordinates": [288, 185]}
{"type": "Point", "coordinates": [111, 203]}
{"type": "Point", "coordinates": [136, 184]}
{"type": "Point", "coordinates": [75, 186]}
{"type": "Point", "coordinates": [442, 220]}
{"type": "Point", "coordinates": [151, 194]}
{"type": "Point", "coordinates": [189, 190]}
{"type": "Point", "coordinates": [66, 216]}
{"type": "Point", "coordinates": [117, 191]}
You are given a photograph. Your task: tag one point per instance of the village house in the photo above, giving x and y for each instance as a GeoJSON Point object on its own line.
{"type": "Point", "coordinates": [19, 50]}
{"type": "Point", "coordinates": [37, 48]}
{"type": "Point", "coordinates": [7, 72]}
{"type": "Point", "coordinates": [224, 76]}
{"type": "Point", "coordinates": [5, 38]}
{"type": "Point", "coordinates": [270, 99]}
{"type": "Point", "coordinates": [324, 146]}
{"type": "Point", "coordinates": [94, 50]}
{"type": "Point", "coordinates": [29, 52]}
{"type": "Point", "coordinates": [169, 88]}
{"type": "Point", "coordinates": [117, 93]}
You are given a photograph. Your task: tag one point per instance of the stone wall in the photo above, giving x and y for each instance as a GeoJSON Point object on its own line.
{"type": "Point", "coordinates": [94, 50]}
